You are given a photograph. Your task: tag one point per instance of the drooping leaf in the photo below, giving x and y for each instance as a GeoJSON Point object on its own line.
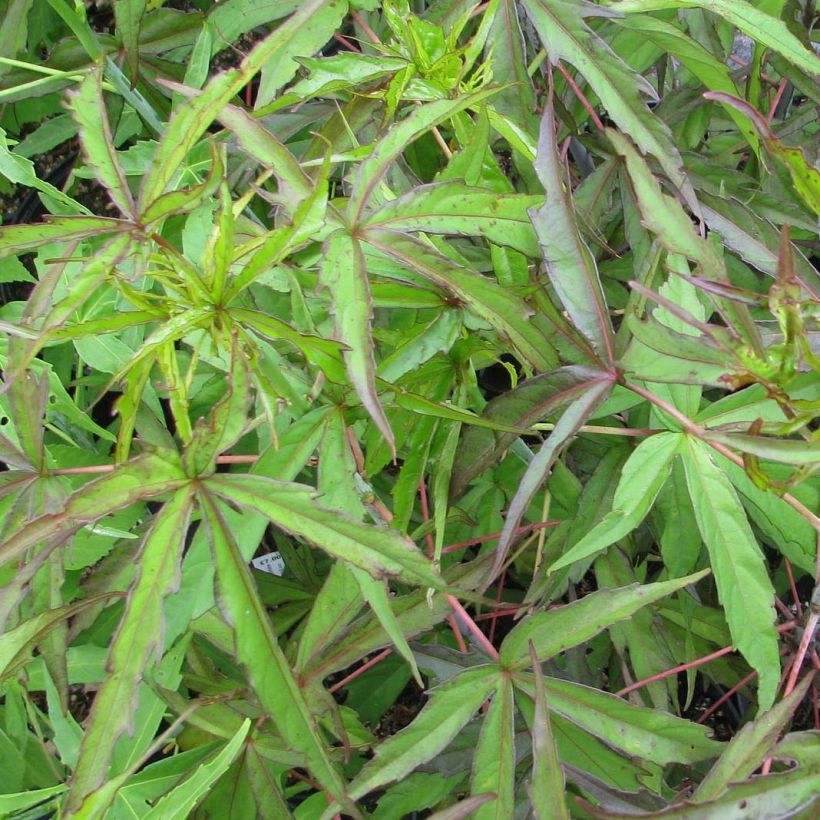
{"type": "Point", "coordinates": [581, 401]}
{"type": "Point", "coordinates": [88, 109]}
{"type": "Point", "coordinates": [570, 265]}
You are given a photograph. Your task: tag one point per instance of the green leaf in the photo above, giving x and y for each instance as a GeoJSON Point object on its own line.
{"type": "Point", "coordinates": [143, 477]}
{"type": "Point", "coordinates": [743, 584]}
{"type": "Point", "coordinates": [570, 265]}
{"type": "Point", "coordinates": [128, 16]}
{"type": "Point", "coordinates": [88, 109]}
{"type": "Point", "coordinates": [396, 140]}
{"type": "Point", "coordinates": [559, 629]}
{"type": "Point", "coordinates": [494, 761]}
{"type": "Point", "coordinates": [642, 477]}
{"type": "Point", "coordinates": [713, 73]}
{"type": "Point", "coordinates": [16, 643]}
{"type": "Point", "coordinates": [258, 650]}
{"type": "Point", "coordinates": [547, 784]}
{"type": "Point", "coordinates": [457, 209]}
{"type": "Point", "coordinates": [565, 35]}
{"type": "Point", "coordinates": [191, 120]}
{"type": "Point", "coordinates": [748, 748]}
{"type": "Point", "coordinates": [449, 708]}
{"type": "Point", "coordinates": [382, 553]}
{"type": "Point", "coordinates": [138, 637]}
{"type": "Point", "coordinates": [786, 451]}
{"type": "Point", "coordinates": [757, 23]}
{"type": "Point", "coordinates": [344, 274]}
{"type": "Point", "coordinates": [306, 41]}
{"type": "Point", "coordinates": [505, 311]}
{"type": "Point", "coordinates": [178, 803]}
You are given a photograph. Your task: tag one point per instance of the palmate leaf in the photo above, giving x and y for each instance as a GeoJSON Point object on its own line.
{"type": "Point", "coordinates": [744, 587]}
{"type": "Point", "coordinates": [344, 275]}
{"type": "Point", "coordinates": [570, 265]}
{"type": "Point", "coordinates": [565, 35]}
{"type": "Point", "coordinates": [139, 636]}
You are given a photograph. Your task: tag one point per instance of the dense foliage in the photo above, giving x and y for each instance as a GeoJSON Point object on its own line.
{"type": "Point", "coordinates": [490, 328]}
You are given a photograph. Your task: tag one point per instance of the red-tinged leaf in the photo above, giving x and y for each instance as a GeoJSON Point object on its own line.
{"type": "Point", "coordinates": [558, 629]}
{"type": "Point", "coordinates": [294, 507]}
{"type": "Point", "coordinates": [258, 650]}
{"type": "Point", "coordinates": [192, 118]}
{"type": "Point", "coordinates": [565, 35]}
{"type": "Point", "coordinates": [463, 809]}
{"type": "Point", "coordinates": [16, 239]}
{"type": "Point", "coordinates": [494, 762]}
{"type": "Point", "coordinates": [580, 401]}
{"type": "Point", "coordinates": [750, 746]}
{"type": "Point", "coordinates": [786, 451]}
{"type": "Point", "coordinates": [15, 644]}
{"type": "Point", "coordinates": [744, 587]}
{"type": "Point", "coordinates": [144, 477]}
{"type": "Point", "coordinates": [27, 397]}
{"type": "Point", "coordinates": [508, 415]}
{"type": "Point", "coordinates": [344, 275]}
{"type": "Point", "coordinates": [547, 785]}
{"type": "Point", "coordinates": [448, 710]}
{"type": "Point", "coordinates": [505, 311]}
{"type": "Point", "coordinates": [570, 265]}
{"type": "Point", "coordinates": [138, 638]}
{"type": "Point", "coordinates": [88, 109]}
{"type": "Point", "coordinates": [128, 16]}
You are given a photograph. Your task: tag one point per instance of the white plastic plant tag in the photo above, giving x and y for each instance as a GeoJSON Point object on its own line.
{"type": "Point", "coordinates": [272, 563]}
